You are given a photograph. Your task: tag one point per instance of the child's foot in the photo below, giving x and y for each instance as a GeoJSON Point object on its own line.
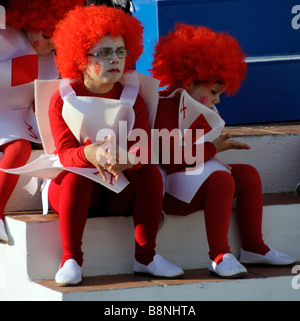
{"type": "Point", "coordinates": [3, 234]}
{"type": "Point", "coordinates": [69, 274]}
{"type": "Point", "coordinates": [227, 266]}
{"type": "Point", "coordinates": [158, 267]}
{"type": "Point", "coordinates": [272, 257]}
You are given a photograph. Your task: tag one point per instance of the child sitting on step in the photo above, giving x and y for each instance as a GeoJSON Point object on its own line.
{"type": "Point", "coordinates": [26, 54]}
{"type": "Point", "coordinates": [95, 46]}
{"type": "Point", "coordinates": [198, 65]}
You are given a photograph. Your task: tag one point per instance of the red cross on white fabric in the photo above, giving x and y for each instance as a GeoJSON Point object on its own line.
{"type": "Point", "coordinates": [24, 69]}
{"type": "Point", "coordinates": [183, 108]}
{"type": "Point", "coordinates": [111, 181]}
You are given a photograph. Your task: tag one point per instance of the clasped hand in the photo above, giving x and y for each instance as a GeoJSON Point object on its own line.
{"type": "Point", "coordinates": [104, 156]}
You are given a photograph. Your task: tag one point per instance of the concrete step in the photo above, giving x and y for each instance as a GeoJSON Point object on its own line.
{"type": "Point", "coordinates": [33, 255]}
{"type": "Point", "coordinates": [260, 284]}
{"type": "Point", "coordinates": [275, 153]}
{"type": "Point", "coordinates": [274, 147]}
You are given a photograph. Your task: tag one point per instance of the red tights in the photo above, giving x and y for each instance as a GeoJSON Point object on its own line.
{"type": "Point", "coordinates": [73, 197]}
{"type": "Point", "coordinates": [215, 198]}
{"type": "Point", "coordinates": [16, 154]}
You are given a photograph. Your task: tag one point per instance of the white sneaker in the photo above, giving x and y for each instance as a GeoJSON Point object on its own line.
{"type": "Point", "coordinates": [3, 234]}
{"type": "Point", "coordinates": [158, 267]}
{"type": "Point", "coordinates": [228, 267]}
{"type": "Point", "coordinates": [272, 257]}
{"type": "Point", "coordinates": [69, 274]}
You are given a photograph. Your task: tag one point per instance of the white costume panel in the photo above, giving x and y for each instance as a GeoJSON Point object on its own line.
{"type": "Point", "coordinates": [19, 67]}
{"type": "Point", "coordinates": [184, 184]}
{"type": "Point", "coordinates": [84, 123]}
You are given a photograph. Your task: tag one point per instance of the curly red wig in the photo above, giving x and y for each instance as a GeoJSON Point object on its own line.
{"type": "Point", "coordinates": [194, 53]}
{"type": "Point", "coordinates": [37, 15]}
{"type": "Point", "coordinates": [84, 26]}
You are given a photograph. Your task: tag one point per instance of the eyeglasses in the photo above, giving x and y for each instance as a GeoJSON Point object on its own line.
{"type": "Point", "coordinates": [120, 4]}
{"type": "Point", "coordinates": [107, 54]}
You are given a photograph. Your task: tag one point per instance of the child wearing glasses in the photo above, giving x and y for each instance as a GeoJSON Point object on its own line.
{"type": "Point", "coordinates": [198, 65]}
{"type": "Point", "coordinates": [105, 46]}
{"type": "Point", "coordinates": [26, 54]}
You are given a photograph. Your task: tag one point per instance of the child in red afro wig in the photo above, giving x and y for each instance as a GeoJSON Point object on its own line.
{"type": "Point", "coordinates": [26, 54]}
{"type": "Point", "coordinates": [197, 53]}
{"type": "Point", "coordinates": [95, 46]}
{"type": "Point", "coordinates": [36, 15]}
{"type": "Point", "coordinates": [95, 22]}
{"type": "Point", "coordinates": [199, 65]}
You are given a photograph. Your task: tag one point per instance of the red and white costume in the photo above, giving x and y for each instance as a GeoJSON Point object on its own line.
{"type": "Point", "coordinates": [76, 188]}
{"type": "Point", "coordinates": [215, 185]}
{"type": "Point", "coordinates": [183, 184]}
{"type": "Point", "coordinates": [84, 119]}
{"type": "Point", "coordinates": [73, 196]}
{"type": "Point", "coordinates": [20, 65]}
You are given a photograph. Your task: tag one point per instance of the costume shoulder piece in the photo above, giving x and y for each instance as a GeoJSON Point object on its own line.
{"type": "Point", "coordinates": [14, 43]}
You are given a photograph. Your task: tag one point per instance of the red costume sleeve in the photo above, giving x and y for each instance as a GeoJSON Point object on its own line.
{"type": "Point", "coordinates": [67, 146]}
{"type": "Point", "coordinates": [167, 117]}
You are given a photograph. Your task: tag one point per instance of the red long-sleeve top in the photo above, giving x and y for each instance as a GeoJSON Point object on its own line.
{"type": "Point", "coordinates": [167, 117]}
{"type": "Point", "coordinates": [68, 148]}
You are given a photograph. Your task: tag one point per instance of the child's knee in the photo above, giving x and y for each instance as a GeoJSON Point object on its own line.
{"type": "Point", "coordinates": [222, 182]}
{"type": "Point", "coordinates": [148, 178]}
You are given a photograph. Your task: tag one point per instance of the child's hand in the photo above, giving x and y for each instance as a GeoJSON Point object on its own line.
{"type": "Point", "coordinates": [223, 143]}
{"type": "Point", "coordinates": [103, 156]}
{"type": "Point", "coordinates": [91, 153]}
{"type": "Point", "coordinates": [114, 165]}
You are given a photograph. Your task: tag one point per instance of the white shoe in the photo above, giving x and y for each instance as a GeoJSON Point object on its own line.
{"type": "Point", "coordinates": [158, 267]}
{"type": "Point", "coordinates": [272, 257]}
{"type": "Point", "coordinates": [228, 267]}
{"type": "Point", "coordinates": [69, 274]}
{"type": "Point", "coordinates": [3, 234]}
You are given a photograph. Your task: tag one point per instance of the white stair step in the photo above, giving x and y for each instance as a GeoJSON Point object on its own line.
{"type": "Point", "coordinates": [275, 153]}
{"type": "Point", "coordinates": [260, 284]}
{"type": "Point", "coordinates": [108, 244]}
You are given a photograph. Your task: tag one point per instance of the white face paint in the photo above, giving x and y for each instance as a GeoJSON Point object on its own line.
{"type": "Point", "coordinates": [101, 74]}
{"type": "Point", "coordinates": [208, 96]}
{"type": "Point", "coordinates": [41, 43]}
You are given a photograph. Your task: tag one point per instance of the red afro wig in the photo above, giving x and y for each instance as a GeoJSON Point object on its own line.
{"type": "Point", "coordinates": [194, 53]}
{"type": "Point", "coordinates": [37, 15]}
{"type": "Point", "coordinates": [84, 26]}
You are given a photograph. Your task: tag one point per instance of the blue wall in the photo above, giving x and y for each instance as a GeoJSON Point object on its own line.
{"type": "Point", "coordinates": [271, 91]}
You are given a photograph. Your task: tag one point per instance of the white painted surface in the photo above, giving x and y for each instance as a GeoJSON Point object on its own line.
{"type": "Point", "coordinates": [34, 253]}
{"type": "Point", "coordinates": [276, 158]}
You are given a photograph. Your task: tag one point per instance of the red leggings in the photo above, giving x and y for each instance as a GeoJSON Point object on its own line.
{"type": "Point", "coordinates": [215, 197]}
{"type": "Point", "coordinates": [73, 197]}
{"type": "Point", "coordinates": [16, 154]}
